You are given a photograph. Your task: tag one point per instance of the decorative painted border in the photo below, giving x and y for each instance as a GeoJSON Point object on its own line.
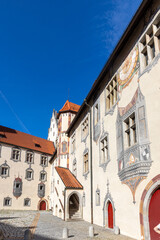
{"type": "Point", "coordinates": [144, 206]}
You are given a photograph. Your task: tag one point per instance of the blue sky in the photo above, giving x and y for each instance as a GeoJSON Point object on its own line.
{"type": "Point", "coordinates": [52, 49]}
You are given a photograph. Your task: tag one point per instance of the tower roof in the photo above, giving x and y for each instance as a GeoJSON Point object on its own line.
{"type": "Point", "coordinates": [69, 107]}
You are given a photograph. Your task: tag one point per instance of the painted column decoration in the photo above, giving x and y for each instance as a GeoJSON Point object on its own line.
{"type": "Point", "coordinates": [133, 146]}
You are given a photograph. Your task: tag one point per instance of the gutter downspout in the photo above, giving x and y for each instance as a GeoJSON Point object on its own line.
{"type": "Point", "coordinates": [91, 168]}
{"type": "Point", "coordinates": [64, 203]}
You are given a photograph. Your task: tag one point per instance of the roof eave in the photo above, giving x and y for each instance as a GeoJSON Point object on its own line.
{"type": "Point", "coordinates": [118, 47]}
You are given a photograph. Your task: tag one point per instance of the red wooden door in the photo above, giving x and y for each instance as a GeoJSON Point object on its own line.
{"type": "Point", "coordinates": [154, 214]}
{"type": "Point", "coordinates": [110, 215]}
{"type": "Point", "coordinates": [43, 205]}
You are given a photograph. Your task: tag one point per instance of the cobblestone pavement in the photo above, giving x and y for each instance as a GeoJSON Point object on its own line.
{"type": "Point", "coordinates": [45, 226]}
{"type": "Point", "coordinates": [14, 223]}
{"type": "Point", "coordinates": [50, 228]}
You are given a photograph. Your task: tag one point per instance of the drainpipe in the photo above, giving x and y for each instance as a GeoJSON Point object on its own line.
{"type": "Point", "coordinates": [91, 169]}
{"type": "Point", "coordinates": [64, 203]}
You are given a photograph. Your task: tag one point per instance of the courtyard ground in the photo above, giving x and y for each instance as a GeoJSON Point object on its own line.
{"type": "Point", "coordinates": [44, 226]}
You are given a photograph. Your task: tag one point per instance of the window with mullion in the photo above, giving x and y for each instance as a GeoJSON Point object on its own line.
{"type": "Point", "coordinates": [111, 94]}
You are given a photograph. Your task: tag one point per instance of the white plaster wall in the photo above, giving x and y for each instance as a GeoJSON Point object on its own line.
{"type": "Point", "coordinates": [29, 188]}
{"type": "Point", "coordinates": [126, 212]}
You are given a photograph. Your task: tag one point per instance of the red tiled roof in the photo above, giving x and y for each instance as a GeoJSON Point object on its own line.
{"type": "Point", "coordinates": [68, 178]}
{"type": "Point", "coordinates": [17, 138]}
{"type": "Point", "coordinates": [68, 106]}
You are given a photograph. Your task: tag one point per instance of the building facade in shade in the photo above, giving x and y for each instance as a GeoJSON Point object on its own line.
{"type": "Point", "coordinates": [112, 177]}
{"type": "Point", "coordinates": [24, 171]}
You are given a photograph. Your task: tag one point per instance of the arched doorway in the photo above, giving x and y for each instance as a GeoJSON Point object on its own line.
{"type": "Point", "coordinates": [42, 205]}
{"type": "Point", "coordinates": [74, 206]}
{"type": "Point", "coordinates": [154, 213]}
{"type": "Point", "coordinates": [110, 215]}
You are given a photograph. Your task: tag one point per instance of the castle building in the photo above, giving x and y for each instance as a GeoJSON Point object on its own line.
{"type": "Point", "coordinates": [111, 177]}
{"type": "Point", "coordinates": [24, 171]}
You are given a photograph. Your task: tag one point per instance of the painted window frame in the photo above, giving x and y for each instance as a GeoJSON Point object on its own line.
{"type": "Point", "coordinates": [85, 128]}
{"type": "Point", "coordinates": [104, 164]}
{"type": "Point", "coordinates": [150, 37]}
{"type": "Point", "coordinates": [29, 201]}
{"type": "Point", "coordinates": [10, 202]}
{"type": "Point", "coordinates": [17, 149]}
{"type": "Point", "coordinates": [5, 165]}
{"type": "Point", "coordinates": [40, 176]}
{"type": "Point", "coordinates": [111, 85]}
{"type": "Point", "coordinates": [30, 153]}
{"type": "Point", "coordinates": [32, 175]}
{"type": "Point", "coordinates": [73, 142]}
{"type": "Point", "coordinates": [85, 173]}
{"type": "Point", "coordinates": [44, 158]}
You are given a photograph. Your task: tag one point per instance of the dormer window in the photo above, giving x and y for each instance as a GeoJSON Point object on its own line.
{"type": "Point", "coordinates": [37, 145]}
{"type": "Point", "coordinates": [2, 135]}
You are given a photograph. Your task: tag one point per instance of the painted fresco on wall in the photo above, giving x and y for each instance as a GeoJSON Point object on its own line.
{"type": "Point", "coordinates": [133, 145]}
{"type": "Point", "coordinates": [128, 69]}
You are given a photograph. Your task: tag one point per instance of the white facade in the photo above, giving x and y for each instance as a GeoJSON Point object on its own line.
{"type": "Point", "coordinates": [53, 130]}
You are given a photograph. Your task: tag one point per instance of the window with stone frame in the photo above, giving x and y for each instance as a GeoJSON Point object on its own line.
{"type": "Point", "coordinates": [130, 135]}
{"type": "Point", "coordinates": [97, 197]}
{"type": "Point", "coordinates": [73, 142]}
{"type": "Point", "coordinates": [85, 163]}
{"type": "Point", "coordinates": [7, 201]}
{"type": "Point", "coordinates": [17, 187]}
{"type": "Point", "coordinates": [104, 156]}
{"type": "Point", "coordinates": [149, 44]}
{"type": "Point", "coordinates": [85, 128]}
{"type": "Point", "coordinates": [64, 146]}
{"type": "Point", "coordinates": [27, 202]}
{"type": "Point", "coordinates": [41, 190]}
{"type": "Point", "coordinates": [74, 167]}
{"type": "Point", "coordinates": [29, 174]}
{"type": "Point", "coordinates": [111, 93]}
{"type": "Point", "coordinates": [43, 176]}
{"type": "Point", "coordinates": [44, 161]}
{"type": "Point", "coordinates": [4, 170]}
{"type": "Point", "coordinates": [29, 157]}
{"type": "Point", "coordinates": [16, 154]}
